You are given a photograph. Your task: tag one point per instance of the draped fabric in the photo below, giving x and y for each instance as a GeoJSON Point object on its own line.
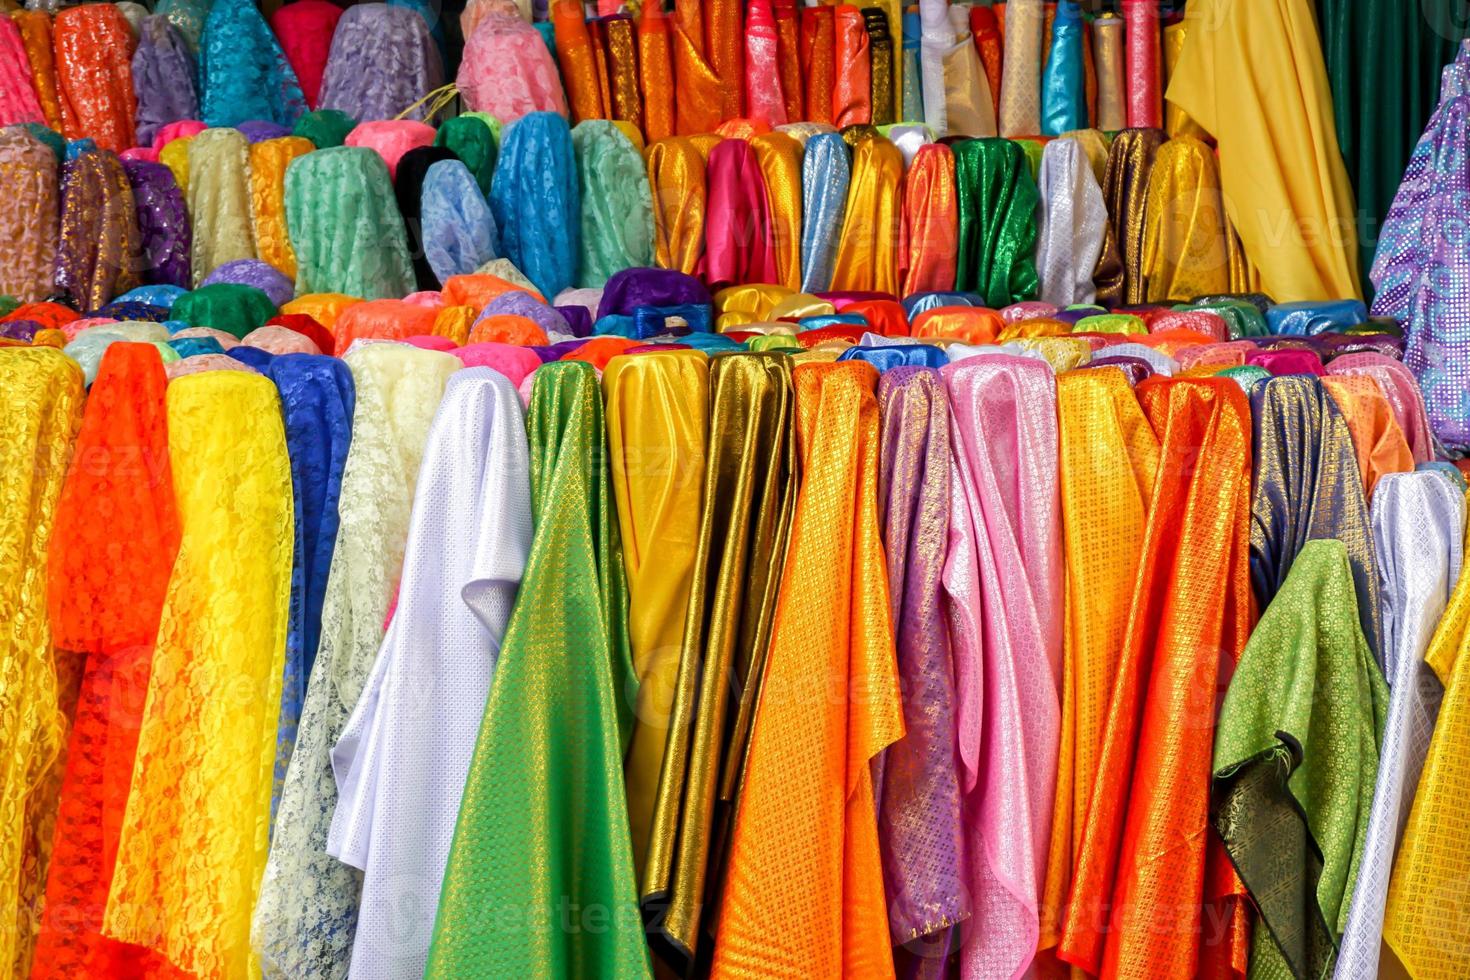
{"type": "Point", "coordinates": [506, 71]}
{"type": "Point", "coordinates": [676, 175]}
{"type": "Point", "coordinates": [219, 201]}
{"type": "Point", "coordinates": [826, 175]}
{"type": "Point", "coordinates": [1185, 251]}
{"type": "Point", "coordinates": [1296, 756]}
{"type": "Point", "coordinates": [28, 222]}
{"type": "Point", "coordinates": [163, 78]}
{"type": "Point", "coordinates": [382, 61]}
{"type": "Point", "coordinates": [99, 253]}
{"type": "Point", "coordinates": [469, 138]}
{"type": "Point", "coordinates": [617, 208]}
{"type": "Point", "coordinates": [806, 822]}
{"type": "Point", "coordinates": [576, 60]}
{"type": "Point", "coordinates": [408, 188]}
{"type": "Point", "coordinates": [780, 157]}
{"type": "Point", "coordinates": [1257, 83]}
{"type": "Point", "coordinates": [930, 222]}
{"type": "Point", "coordinates": [1120, 280]}
{"type": "Point", "coordinates": [243, 74]}
{"type": "Point", "coordinates": [1146, 871]}
{"type": "Point", "coordinates": [1401, 390]}
{"type": "Point", "coordinates": [401, 760]}
{"type": "Point", "coordinates": [852, 90]}
{"type": "Point", "coordinates": [35, 37]}
{"type": "Point", "coordinates": [700, 103]}
{"type": "Point", "coordinates": [1003, 571]}
{"type": "Point", "coordinates": [93, 48]}
{"type": "Point", "coordinates": [43, 391]}
{"type": "Point", "coordinates": [868, 250]}
{"type": "Point", "coordinates": [304, 29]}
{"type": "Point", "coordinates": [1307, 486]}
{"type": "Point", "coordinates": [536, 201]}
{"type": "Point", "coordinates": [458, 229]}
{"type": "Point", "coordinates": [749, 475]}
{"type": "Point", "coordinates": [268, 162]}
{"type": "Point", "coordinates": [738, 237]}
{"type": "Point", "coordinates": [190, 850]}
{"type": "Point", "coordinates": [1418, 532]}
{"type": "Point", "coordinates": [366, 256]}
{"type": "Point", "coordinates": [1071, 227]}
{"type": "Point", "coordinates": [567, 641]}
{"type": "Point", "coordinates": [1377, 438]}
{"type": "Point", "coordinates": [997, 208]}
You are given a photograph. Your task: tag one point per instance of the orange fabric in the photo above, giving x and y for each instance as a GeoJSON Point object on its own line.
{"type": "Point", "coordinates": [479, 288]}
{"type": "Point", "coordinates": [382, 319]}
{"type": "Point", "coordinates": [931, 233]}
{"type": "Point", "coordinates": [599, 350]}
{"type": "Point", "coordinates": [885, 316]}
{"type": "Point", "coordinates": [268, 162]}
{"type": "Point", "coordinates": [47, 314]}
{"type": "Point", "coordinates": [578, 65]}
{"type": "Point", "coordinates": [698, 105]}
{"type": "Point", "coordinates": [804, 894]}
{"type": "Point", "coordinates": [455, 322]}
{"type": "Point", "coordinates": [970, 324]}
{"type": "Point", "coordinates": [742, 129]}
{"type": "Point", "coordinates": [508, 328]}
{"type": "Point", "coordinates": [1377, 439]}
{"type": "Point", "coordinates": [324, 308]}
{"type": "Point", "coordinates": [818, 61]}
{"type": "Point", "coordinates": [1173, 341]}
{"type": "Point", "coordinates": [35, 34]}
{"type": "Point", "coordinates": [852, 96]}
{"type": "Point", "coordinates": [1039, 327]}
{"type": "Point", "coordinates": [1152, 894]}
{"type": "Point", "coordinates": [656, 72]}
{"type": "Point", "coordinates": [93, 48]}
{"type": "Point", "coordinates": [788, 57]}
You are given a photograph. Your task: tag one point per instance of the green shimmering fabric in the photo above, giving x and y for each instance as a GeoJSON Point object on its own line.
{"type": "Point", "coordinates": [617, 204]}
{"type": "Point", "coordinates": [540, 879]}
{"type": "Point", "coordinates": [325, 128]}
{"type": "Point", "coordinates": [997, 199]}
{"type": "Point", "coordinates": [232, 308]}
{"type": "Point", "coordinates": [468, 138]}
{"type": "Point", "coordinates": [1296, 758]}
{"type": "Point", "coordinates": [1242, 319]}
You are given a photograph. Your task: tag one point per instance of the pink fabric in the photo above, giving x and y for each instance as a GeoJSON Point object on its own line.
{"type": "Point", "coordinates": [177, 130]}
{"type": "Point", "coordinates": [1402, 392]}
{"type": "Point", "coordinates": [763, 95]}
{"type": "Point", "coordinates": [391, 138]}
{"type": "Point", "coordinates": [1200, 321]}
{"type": "Point", "coordinates": [429, 299]}
{"type": "Point", "coordinates": [145, 153]}
{"type": "Point", "coordinates": [1280, 362]}
{"type": "Point", "coordinates": [507, 70]}
{"type": "Point", "coordinates": [516, 363]}
{"type": "Point", "coordinates": [70, 330]}
{"type": "Point", "coordinates": [1028, 310]}
{"type": "Point", "coordinates": [225, 340]}
{"type": "Point", "coordinates": [737, 229]}
{"type": "Point", "coordinates": [1230, 353]}
{"type": "Point", "coordinates": [431, 342]}
{"type": "Point", "coordinates": [304, 29]}
{"type": "Point", "coordinates": [200, 363]}
{"type": "Point", "coordinates": [279, 340]}
{"type": "Point", "coordinates": [18, 100]}
{"type": "Point", "coordinates": [1003, 576]}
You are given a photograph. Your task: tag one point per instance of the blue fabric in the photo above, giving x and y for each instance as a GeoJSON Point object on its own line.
{"type": "Point", "coordinates": [252, 356]}
{"type": "Point", "coordinates": [128, 310]}
{"type": "Point", "coordinates": [913, 78]}
{"type": "Point", "coordinates": [457, 226]}
{"type": "Point", "coordinates": [75, 148]}
{"type": "Point", "coordinates": [826, 170]}
{"type": "Point", "coordinates": [161, 296]}
{"type": "Point", "coordinates": [897, 355]}
{"type": "Point", "coordinates": [189, 346]}
{"type": "Point", "coordinates": [924, 302]}
{"type": "Point", "coordinates": [1063, 96]}
{"type": "Point", "coordinates": [1309, 319]}
{"type": "Point", "coordinates": [536, 202]}
{"type": "Point", "coordinates": [654, 319]}
{"type": "Point", "coordinates": [618, 325]}
{"type": "Point", "coordinates": [830, 320]}
{"type": "Point", "coordinates": [710, 343]}
{"type": "Point", "coordinates": [243, 74]}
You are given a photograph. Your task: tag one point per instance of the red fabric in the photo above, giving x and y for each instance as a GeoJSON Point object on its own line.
{"type": "Point", "coordinates": [885, 316]}
{"type": "Point", "coordinates": [305, 29]}
{"type": "Point", "coordinates": [306, 326]}
{"type": "Point", "coordinates": [841, 331]}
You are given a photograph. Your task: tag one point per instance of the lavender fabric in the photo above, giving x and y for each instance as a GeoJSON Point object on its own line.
{"type": "Point", "coordinates": [253, 272]}
{"type": "Point", "coordinates": [521, 303]}
{"type": "Point", "coordinates": [1075, 317]}
{"type": "Point", "coordinates": [555, 352]}
{"type": "Point", "coordinates": [631, 288]}
{"type": "Point", "coordinates": [381, 62]}
{"type": "Point", "coordinates": [163, 78]}
{"type": "Point", "coordinates": [163, 221]}
{"type": "Point", "coordinates": [456, 224]}
{"type": "Point", "coordinates": [579, 320]}
{"type": "Point", "coordinates": [260, 130]}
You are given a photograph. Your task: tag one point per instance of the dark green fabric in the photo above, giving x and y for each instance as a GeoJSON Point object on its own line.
{"type": "Point", "coordinates": [472, 141]}
{"type": "Point", "coordinates": [229, 307]}
{"type": "Point", "coordinates": [997, 199]}
{"type": "Point", "coordinates": [324, 127]}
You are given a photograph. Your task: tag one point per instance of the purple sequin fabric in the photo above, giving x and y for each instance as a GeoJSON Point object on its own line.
{"type": "Point", "coordinates": [163, 222]}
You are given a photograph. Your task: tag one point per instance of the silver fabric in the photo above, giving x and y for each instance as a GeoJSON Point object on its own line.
{"type": "Point", "coordinates": [826, 170]}
{"type": "Point", "coordinates": [1073, 219]}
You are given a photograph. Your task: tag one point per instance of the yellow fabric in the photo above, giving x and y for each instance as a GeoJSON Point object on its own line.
{"type": "Point", "coordinates": [1062, 353]}
{"type": "Point", "coordinates": [1253, 76]}
{"type": "Point", "coordinates": [1176, 120]}
{"type": "Point", "coordinates": [268, 161]}
{"type": "Point", "coordinates": [219, 201]}
{"type": "Point", "coordinates": [779, 157]}
{"type": "Point", "coordinates": [1428, 898]}
{"type": "Point", "coordinates": [656, 428]}
{"type": "Point", "coordinates": [676, 176]}
{"type": "Point", "coordinates": [455, 322]}
{"type": "Point", "coordinates": [800, 305]}
{"type": "Point", "coordinates": [736, 306]}
{"type": "Point", "coordinates": [41, 389]}
{"type": "Point", "coordinates": [1185, 252]}
{"type": "Point", "coordinates": [194, 839]}
{"type": "Point", "coordinates": [175, 156]}
{"type": "Point", "coordinates": [324, 308]}
{"type": "Point", "coordinates": [867, 249]}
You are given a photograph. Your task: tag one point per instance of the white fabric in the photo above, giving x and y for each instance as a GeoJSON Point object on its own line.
{"type": "Point", "coordinates": [1160, 362]}
{"type": "Point", "coordinates": [936, 38]}
{"type": "Point", "coordinates": [1418, 532]}
{"type": "Point", "coordinates": [1071, 228]}
{"type": "Point", "coordinates": [403, 757]}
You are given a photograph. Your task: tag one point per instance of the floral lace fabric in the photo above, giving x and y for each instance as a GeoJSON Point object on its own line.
{"type": "Point", "coordinates": [243, 74]}
{"type": "Point", "coordinates": [163, 74]}
{"type": "Point", "coordinates": [93, 46]}
{"type": "Point", "coordinates": [381, 62]}
{"type": "Point", "coordinates": [219, 201]}
{"type": "Point", "coordinates": [617, 207]}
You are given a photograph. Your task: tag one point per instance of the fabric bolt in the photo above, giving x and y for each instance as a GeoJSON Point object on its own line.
{"type": "Point", "coordinates": [1020, 89]}
{"type": "Point", "coordinates": [506, 71]}
{"type": "Point", "coordinates": [617, 209]}
{"type": "Point", "coordinates": [268, 162]}
{"type": "Point", "coordinates": [392, 139]}
{"type": "Point", "coordinates": [164, 231]}
{"type": "Point", "coordinates": [780, 158]}
{"type": "Point", "coordinates": [1072, 225]}
{"type": "Point", "coordinates": [826, 175]}
{"type": "Point", "coordinates": [163, 78]}
{"type": "Point", "coordinates": [1402, 392]}
{"type": "Point", "coordinates": [1143, 63]}
{"type": "Point", "coordinates": [408, 188]}
{"type": "Point", "coordinates": [852, 95]}
{"type": "Point", "coordinates": [764, 97]}
{"type": "Point", "coordinates": [98, 255]}
{"type": "Point", "coordinates": [219, 200]}
{"type": "Point", "coordinates": [819, 61]}
{"type": "Point", "coordinates": [997, 206]}
{"type": "Point", "coordinates": [304, 29]}
{"type": "Point", "coordinates": [676, 176]}
{"type": "Point", "coordinates": [930, 222]}
{"type": "Point", "coordinates": [249, 272]}
{"type": "Point", "coordinates": [1185, 251]}
{"type": "Point", "coordinates": [382, 61]}
{"type": "Point", "coordinates": [243, 74]}
{"type": "Point", "coordinates": [1063, 94]}
{"type": "Point", "coordinates": [324, 127]}
{"type": "Point", "coordinates": [868, 250]}
{"type": "Point", "coordinates": [738, 234]}
{"type": "Point", "coordinates": [28, 224]}
{"type": "Point", "coordinates": [882, 84]}
{"type": "Point", "coordinates": [536, 201]}
{"type": "Point", "coordinates": [40, 60]}
{"type": "Point", "coordinates": [458, 229]}
{"type": "Point", "coordinates": [1120, 279]}
{"type": "Point", "coordinates": [1379, 442]}
{"type": "Point", "coordinates": [93, 48]}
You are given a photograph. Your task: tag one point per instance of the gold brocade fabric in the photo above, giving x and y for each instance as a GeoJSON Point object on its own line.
{"type": "Point", "coordinates": [656, 72]}
{"type": "Point", "coordinates": [804, 891]}
{"type": "Point", "coordinates": [1184, 235]}
{"type": "Point", "coordinates": [1428, 898]}
{"type": "Point", "coordinates": [1125, 192]}
{"type": "Point", "coordinates": [578, 65]}
{"type": "Point", "coordinates": [219, 201]}
{"type": "Point", "coordinates": [676, 177]}
{"type": "Point", "coordinates": [799, 305]}
{"type": "Point", "coordinates": [738, 305]}
{"type": "Point", "coordinates": [779, 157]}
{"type": "Point", "coordinates": [893, 84]}
{"type": "Point", "coordinates": [268, 161]}
{"type": "Point", "coordinates": [1176, 120]}
{"type": "Point", "coordinates": [42, 391]}
{"type": "Point", "coordinates": [1112, 87]}
{"type": "Point", "coordinates": [35, 33]}
{"type": "Point", "coordinates": [194, 839]}
{"type": "Point", "coordinates": [698, 105]}
{"type": "Point", "coordinates": [1109, 456]}
{"type": "Point", "coordinates": [868, 247]}
{"type": "Point", "coordinates": [725, 46]}
{"type": "Point", "coordinates": [1062, 353]}
{"type": "Point", "coordinates": [622, 71]}
{"type": "Point", "coordinates": [656, 428]}
{"type": "Point", "coordinates": [747, 496]}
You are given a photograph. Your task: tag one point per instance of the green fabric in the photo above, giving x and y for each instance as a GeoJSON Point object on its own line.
{"type": "Point", "coordinates": [1246, 375]}
{"type": "Point", "coordinates": [1118, 323]}
{"type": "Point", "coordinates": [324, 127]}
{"type": "Point", "coordinates": [542, 844]}
{"type": "Point", "coordinates": [345, 226]}
{"type": "Point", "coordinates": [1242, 319]}
{"type": "Point", "coordinates": [230, 307]}
{"type": "Point", "coordinates": [617, 203]}
{"type": "Point", "coordinates": [1033, 150]}
{"type": "Point", "coordinates": [8, 305]}
{"type": "Point", "coordinates": [1296, 759]}
{"type": "Point", "coordinates": [472, 141]}
{"type": "Point", "coordinates": [50, 137]}
{"type": "Point", "coordinates": [488, 120]}
{"type": "Point", "coordinates": [997, 200]}
{"type": "Point", "coordinates": [772, 341]}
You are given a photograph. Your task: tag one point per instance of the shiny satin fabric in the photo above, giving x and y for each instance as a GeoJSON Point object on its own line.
{"type": "Point", "coordinates": [1020, 88]}
{"type": "Point", "coordinates": [656, 433]}
{"type": "Point", "coordinates": [826, 176]}
{"type": "Point", "coordinates": [1379, 442]}
{"type": "Point", "coordinates": [1003, 571]}
{"type": "Point", "coordinates": [868, 247]}
{"type": "Point", "coordinates": [28, 222]}
{"type": "Point", "coordinates": [243, 74]}
{"type": "Point", "coordinates": [617, 207]}
{"type": "Point", "coordinates": [1147, 871]}
{"type": "Point", "coordinates": [1185, 251]}
{"type": "Point", "coordinates": [536, 202]}
{"type": "Point", "coordinates": [809, 752]}
{"type": "Point", "coordinates": [852, 96]}
{"type": "Point", "coordinates": [965, 95]}
{"type": "Point", "coordinates": [930, 222]}
{"type": "Point", "coordinates": [99, 255]}
{"type": "Point", "coordinates": [218, 193]}
{"type": "Point", "coordinates": [676, 174]}
{"type": "Point", "coordinates": [575, 58]}
{"type": "Point", "coordinates": [780, 158]}
{"type": "Point", "coordinates": [997, 221]}
{"type": "Point", "coordinates": [1279, 160]}
{"type": "Point", "coordinates": [35, 33]}
{"type": "Point", "coordinates": [1063, 94]}
{"type": "Point", "coordinates": [738, 235]}
{"type": "Point", "coordinates": [93, 48]}
{"type": "Point", "coordinates": [43, 389]}
{"type": "Point", "coordinates": [1307, 486]}
{"type": "Point", "coordinates": [208, 732]}
{"type": "Point", "coordinates": [1072, 227]}
{"type": "Point", "coordinates": [1125, 191]}
{"type": "Point", "coordinates": [1108, 46]}
{"type": "Point", "coordinates": [1296, 758]}
{"type": "Point", "coordinates": [268, 162]}
{"type": "Point", "coordinates": [656, 72]}
{"type": "Point", "coordinates": [699, 106]}
{"type": "Point", "coordinates": [1176, 120]}
{"type": "Point", "coordinates": [1402, 392]}
{"type": "Point", "coordinates": [1108, 460]}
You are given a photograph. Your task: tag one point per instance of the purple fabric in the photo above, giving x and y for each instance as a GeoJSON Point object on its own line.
{"type": "Point", "coordinates": [1075, 317]}
{"type": "Point", "coordinates": [20, 329]}
{"type": "Point", "coordinates": [523, 304]}
{"type": "Point", "coordinates": [163, 78]}
{"type": "Point", "coordinates": [556, 352]}
{"type": "Point", "coordinates": [253, 272]}
{"type": "Point", "coordinates": [163, 220]}
{"type": "Point", "coordinates": [633, 288]}
{"type": "Point", "coordinates": [260, 130]}
{"type": "Point", "coordinates": [381, 62]}
{"type": "Point", "coordinates": [579, 320]}
{"type": "Point", "coordinates": [1284, 343]}
{"type": "Point", "coordinates": [1331, 345]}
{"type": "Point", "coordinates": [1135, 369]}
{"type": "Point", "coordinates": [1280, 362]}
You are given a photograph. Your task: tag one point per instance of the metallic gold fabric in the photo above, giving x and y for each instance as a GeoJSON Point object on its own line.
{"type": "Point", "coordinates": [219, 201]}
{"type": "Point", "coordinates": [1112, 86]}
{"type": "Point", "coordinates": [42, 390]}
{"type": "Point", "coordinates": [930, 222]}
{"type": "Point", "coordinates": [699, 106]}
{"type": "Point", "coordinates": [676, 177]}
{"type": "Point", "coordinates": [578, 65]}
{"type": "Point", "coordinates": [1185, 251]}
{"type": "Point", "coordinates": [454, 322]}
{"type": "Point", "coordinates": [747, 497]}
{"type": "Point", "coordinates": [779, 157]}
{"type": "Point", "coordinates": [867, 250]}
{"type": "Point", "coordinates": [1125, 191]}
{"type": "Point", "coordinates": [35, 33]}
{"type": "Point", "coordinates": [1020, 90]}
{"type": "Point", "coordinates": [268, 162]}
{"type": "Point", "coordinates": [892, 11]}
{"type": "Point", "coordinates": [621, 46]}
{"type": "Point", "coordinates": [881, 85]}
{"type": "Point", "coordinates": [804, 897]}
{"type": "Point", "coordinates": [1176, 120]}
{"type": "Point", "coordinates": [656, 72]}
{"type": "Point", "coordinates": [656, 428]}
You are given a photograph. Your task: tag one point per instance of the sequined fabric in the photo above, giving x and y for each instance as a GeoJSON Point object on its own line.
{"type": "Point", "coordinates": [28, 222]}
{"type": "Point", "coordinates": [99, 255]}
{"type": "Point", "coordinates": [93, 48]}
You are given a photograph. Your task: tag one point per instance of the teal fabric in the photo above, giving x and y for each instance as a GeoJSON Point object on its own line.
{"type": "Point", "coordinates": [345, 227]}
{"type": "Point", "coordinates": [617, 204]}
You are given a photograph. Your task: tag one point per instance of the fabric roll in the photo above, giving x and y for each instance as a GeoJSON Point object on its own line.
{"type": "Point", "coordinates": [1189, 622]}
{"type": "Point", "coordinates": [826, 175]}
{"type": "Point", "coordinates": [1109, 47]}
{"type": "Point", "coordinates": [997, 200]}
{"type": "Point", "coordinates": [1296, 757]}
{"type": "Point", "coordinates": [219, 198]}
{"type": "Point", "coordinates": [1176, 120]}
{"type": "Point", "coordinates": [765, 98]}
{"type": "Point", "coordinates": [218, 751]}
{"type": "Point", "coordinates": [739, 246]}
{"type": "Point", "coordinates": [780, 158]}
{"type": "Point", "coordinates": [676, 174]}
{"type": "Point", "coordinates": [268, 162]}
{"type": "Point", "coordinates": [581, 719]}
{"type": "Point", "coordinates": [93, 48]}
{"type": "Point", "coordinates": [852, 95]}
{"type": "Point", "coordinates": [1143, 61]}
{"type": "Point", "coordinates": [304, 29]}
{"type": "Point", "coordinates": [798, 774]}
{"type": "Point", "coordinates": [35, 36]}
{"type": "Point", "coordinates": [408, 190]}
{"type": "Point", "coordinates": [1125, 192]}
{"type": "Point", "coordinates": [620, 49]}
{"type": "Point", "coordinates": [507, 71]}
{"type": "Point", "coordinates": [163, 223]}
{"type": "Point", "coordinates": [723, 29]}
{"type": "Point", "coordinates": [577, 63]}
{"type": "Point", "coordinates": [163, 78]}
{"type": "Point", "coordinates": [985, 33]}
{"type": "Point", "coordinates": [788, 59]}
{"type": "Point", "coordinates": [699, 107]}
{"type": "Point", "coordinates": [1063, 94]}
{"type": "Point", "coordinates": [458, 229]}
{"type": "Point", "coordinates": [965, 101]}
{"type": "Point", "coordinates": [1418, 534]}
{"type": "Point", "coordinates": [536, 202]}
{"type": "Point", "coordinates": [383, 61]}
{"type": "Point", "coordinates": [43, 389]}
{"type": "Point", "coordinates": [930, 222]}
{"type": "Point", "coordinates": [1072, 227]}
{"type": "Point", "coordinates": [1377, 438]}
{"type": "Point", "coordinates": [882, 88]}
{"type": "Point", "coordinates": [819, 61]}
{"type": "Point", "coordinates": [243, 74]}
{"type": "Point", "coordinates": [1185, 238]}
{"type": "Point", "coordinates": [1020, 88]}
{"type": "Point", "coordinates": [868, 248]}
{"type": "Point", "coordinates": [1005, 528]}
{"type": "Point", "coordinates": [1401, 390]}
{"type": "Point", "coordinates": [617, 209]}
{"type": "Point", "coordinates": [656, 72]}
{"type": "Point", "coordinates": [99, 254]}
{"type": "Point", "coordinates": [28, 224]}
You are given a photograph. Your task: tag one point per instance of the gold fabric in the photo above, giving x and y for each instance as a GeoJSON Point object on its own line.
{"type": "Point", "coordinates": [35, 34]}
{"type": "Point", "coordinates": [676, 177]}
{"type": "Point", "coordinates": [1112, 88]}
{"type": "Point", "coordinates": [454, 322]}
{"type": "Point", "coordinates": [1176, 120]}
{"type": "Point", "coordinates": [779, 157]}
{"type": "Point", "coordinates": [219, 201]}
{"type": "Point", "coordinates": [892, 85]}
{"type": "Point", "coordinates": [867, 249]}
{"type": "Point", "coordinates": [747, 497]}
{"type": "Point", "coordinates": [268, 161]}
{"type": "Point", "coordinates": [324, 308]}
{"type": "Point", "coordinates": [698, 104]}
{"type": "Point", "coordinates": [969, 105]}
{"type": "Point", "coordinates": [798, 305]}
{"type": "Point", "coordinates": [1094, 143]}
{"type": "Point", "coordinates": [42, 391]}
{"type": "Point", "coordinates": [622, 71]}
{"type": "Point", "coordinates": [1125, 192]}
{"type": "Point", "coordinates": [739, 305]}
{"type": "Point", "coordinates": [1184, 236]}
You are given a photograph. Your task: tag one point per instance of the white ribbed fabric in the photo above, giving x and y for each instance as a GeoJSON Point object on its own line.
{"type": "Point", "coordinates": [1418, 531]}
{"type": "Point", "coordinates": [403, 757]}
{"type": "Point", "coordinates": [1073, 219]}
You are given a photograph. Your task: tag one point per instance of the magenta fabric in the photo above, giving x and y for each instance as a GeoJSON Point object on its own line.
{"type": "Point", "coordinates": [18, 101]}
{"type": "Point", "coordinates": [304, 29]}
{"type": "Point", "coordinates": [1280, 362]}
{"type": "Point", "coordinates": [516, 363]}
{"type": "Point", "coordinates": [430, 342]}
{"type": "Point", "coordinates": [738, 245]}
{"type": "Point", "coordinates": [177, 130]}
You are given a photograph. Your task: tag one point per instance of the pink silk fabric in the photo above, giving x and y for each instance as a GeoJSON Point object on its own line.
{"type": "Point", "coordinates": [516, 363]}
{"type": "Point", "coordinates": [737, 226]}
